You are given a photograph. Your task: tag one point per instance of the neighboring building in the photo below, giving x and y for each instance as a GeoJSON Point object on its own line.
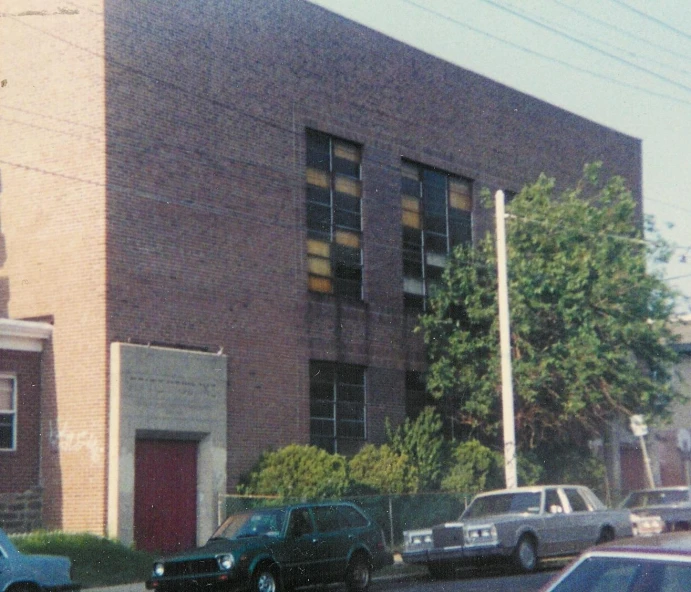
{"type": "Point", "coordinates": [669, 444]}
{"type": "Point", "coordinates": [233, 213]}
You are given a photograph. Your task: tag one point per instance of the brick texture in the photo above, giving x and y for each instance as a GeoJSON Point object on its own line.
{"type": "Point", "coordinates": [157, 195]}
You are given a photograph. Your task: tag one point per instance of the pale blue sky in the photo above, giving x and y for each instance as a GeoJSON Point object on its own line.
{"type": "Point", "coordinates": [623, 63]}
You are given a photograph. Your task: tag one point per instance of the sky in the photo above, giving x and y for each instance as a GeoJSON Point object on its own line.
{"type": "Point", "coordinates": [625, 64]}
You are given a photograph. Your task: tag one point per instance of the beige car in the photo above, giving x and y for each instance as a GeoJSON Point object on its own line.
{"type": "Point", "coordinates": [522, 525]}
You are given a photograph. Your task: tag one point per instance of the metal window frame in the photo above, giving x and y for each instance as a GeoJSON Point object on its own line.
{"type": "Point", "coordinates": [14, 411]}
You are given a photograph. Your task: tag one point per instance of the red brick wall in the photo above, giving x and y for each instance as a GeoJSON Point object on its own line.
{"type": "Point", "coordinates": [206, 112]}
{"type": "Point", "coordinates": [20, 468]}
{"type": "Point", "coordinates": [157, 194]}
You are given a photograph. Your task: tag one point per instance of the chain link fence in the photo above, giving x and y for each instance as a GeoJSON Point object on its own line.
{"type": "Point", "coordinates": [393, 513]}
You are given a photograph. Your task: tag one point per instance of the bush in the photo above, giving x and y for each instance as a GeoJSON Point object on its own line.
{"type": "Point", "coordinates": [381, 470]}
{"type": "Point", "coordinates": [474, 468]}
{"type": "Point", "coordinates": [298, 472]}
{"type": "Point", "coordinates": [96, 561]}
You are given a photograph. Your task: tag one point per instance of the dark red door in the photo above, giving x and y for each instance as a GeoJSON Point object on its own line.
{"type": "Point", "coordinates": [165, 495]}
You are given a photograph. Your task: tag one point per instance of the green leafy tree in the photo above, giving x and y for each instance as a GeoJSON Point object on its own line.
{"type": "Point", "coordinates": [589, 333]}
{"type": "Point", "coordinates": [422, 442]}
{"type": "Point", "coordinates": [381, 470]}
{"type": "Point", "coordinates": [298, 471]}
{"type": "Point", "coordinates": [473, 468]}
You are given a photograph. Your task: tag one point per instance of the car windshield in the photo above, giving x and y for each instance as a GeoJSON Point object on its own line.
{"type": "Point", "coordinates": [504, 503]}
{"type": "Point", "coordinates": [250, 524]}
{"type": "Point", "coordinates": [641, 499]}
{"type": "Point", "coordinates": [597, 574]}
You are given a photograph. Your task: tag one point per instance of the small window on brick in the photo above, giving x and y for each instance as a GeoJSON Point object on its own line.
{"type": "Point", "coordinates": [8, 412]}
{"type": "Point", "coordinates": [436, 217]}
{"type": "Point", "coordinates": [337, 407]}
{"type": "Point", "coordinates": [334, 224]}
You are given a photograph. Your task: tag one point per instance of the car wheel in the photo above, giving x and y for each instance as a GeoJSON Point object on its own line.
{"type": "Point", "coordinates": [441, 570]}
{"type": "Point", "coordinates": [358, 574]}
{"type": "Point", "coordinates": [525, 554]}
{"type": "Point", "coordinates": [265, 579]}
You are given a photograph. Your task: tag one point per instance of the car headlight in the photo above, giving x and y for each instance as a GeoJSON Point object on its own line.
{"type": "Point", "coordinates": [226, 561]}
{"type": "Point", "coordinates": [159, 569]}
{"type": "Point", "coordinates": [481, 534]}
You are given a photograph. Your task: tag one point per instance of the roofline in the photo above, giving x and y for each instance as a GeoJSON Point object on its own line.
{"type": "Point", "coordinates": [18, 335]}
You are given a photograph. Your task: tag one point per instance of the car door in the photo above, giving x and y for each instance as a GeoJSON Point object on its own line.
{"type": "Point", "coordinates": [584, 523]}
{"type": "Point", "coordinates": [299, 556]}
{"type": "Point", "coordinates": [333, 542]}
{"type": "Point", "coordinates": [555, 538]}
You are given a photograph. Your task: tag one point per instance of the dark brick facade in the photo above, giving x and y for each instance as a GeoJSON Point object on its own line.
{"type": "Point", "coordinates": [182, 218]}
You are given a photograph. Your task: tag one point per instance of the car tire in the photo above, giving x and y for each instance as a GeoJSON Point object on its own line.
{"type": "Point", "coordinates": [358, 573]}
{"type": "Point", "coordinates": [441, 570]}
{"type": "Point", "coordinates": [265, 579]}
{"type": "Point", "coordinates": [525, 554]}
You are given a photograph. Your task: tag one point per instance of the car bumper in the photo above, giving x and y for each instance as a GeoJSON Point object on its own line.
{"type": "Point", "coordinates": [63, 587]}
{"type": "Point", "coordinates": [206, 583]}
{"type": "Point", "coordinates": [455, 554]}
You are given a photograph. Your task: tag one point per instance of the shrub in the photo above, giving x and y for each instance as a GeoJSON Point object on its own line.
{"type": "Point", "coordinates": [382, 470]}
{"type": "Point", "coordinates": [298, 471]}
{"type": "Point", "coordinates": [474, 468]}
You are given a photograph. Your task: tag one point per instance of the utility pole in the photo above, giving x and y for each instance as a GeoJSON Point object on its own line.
{"type": "Point", "coordinates": [505, 342]}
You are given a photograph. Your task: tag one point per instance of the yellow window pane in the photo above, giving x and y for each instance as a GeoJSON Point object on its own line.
{"type": "Point", "coordinates": [320, 284]}
{"type": "Point", "coordinates": [411, 219]}
{"type": "Point", "coordinates": [410, 171]}
{"type": "Point", "coordinates": [348, 239]}
{"type": "Point", "coordinates": [348, 185]}
{"type": "Point", "coordinates": [6, 386]}
{"type": "Point", "coordinates": [460, 201]}
{"type": "Point", "coordinates": [411, 204]}
{"type": "Point", "coordinates": [319, 266]}
{"type": "Point", "coordinates": [317, 247]}
{"type": "Point", "coordinates": [347, 151]}
{"type": "Point", "coordinates": [318, 178]}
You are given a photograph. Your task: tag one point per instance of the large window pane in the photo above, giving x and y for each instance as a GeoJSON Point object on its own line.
{"type": "Point", "coordinates": [337, 406]}
{"type": "Point", "coordinates": [334, 214]}
{"type": "Point", "coordinates": [436, 216]}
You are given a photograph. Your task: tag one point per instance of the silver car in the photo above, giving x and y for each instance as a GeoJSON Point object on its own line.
{"type": "Point", "coordinates": [523, 525]}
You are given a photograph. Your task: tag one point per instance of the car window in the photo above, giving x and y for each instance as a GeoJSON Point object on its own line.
{"type": "Point", "coordinates": [263, 522]}
{"type": "Point", "coordinates": [553, 503]}
{"type": "Point", "coordinates": [352, 517]}
{"type": "Point", "coordinates": [577, 502]}
{"type": "Point", "coordinates": [326, 518]}
{"type": "Point", "coordinates": [300, 523]}
{"type": "Point", "coordinates": [504, 503]}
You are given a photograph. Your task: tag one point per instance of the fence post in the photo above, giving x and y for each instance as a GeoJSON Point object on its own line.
{"type": "Point", "coordinates": [391, 519]}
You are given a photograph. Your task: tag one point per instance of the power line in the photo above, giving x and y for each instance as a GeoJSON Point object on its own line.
{"type": "Point", "coordinates": [653, 19]}
{"type": "Point", "coordinates": [578, 41]}
{"type": "Point", "coordinates": [549, 58]}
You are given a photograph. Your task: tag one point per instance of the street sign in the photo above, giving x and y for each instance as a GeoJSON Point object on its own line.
{"type": "Point", "coordinates": [638, 426]}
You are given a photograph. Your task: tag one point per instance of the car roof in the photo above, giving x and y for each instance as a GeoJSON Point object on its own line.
{"type": "Point", "coordinates": [676, 543]}
{"type": "Point", "coordinates": [529, 489]}
{"type": "Point", "coordinates": [661, 489]}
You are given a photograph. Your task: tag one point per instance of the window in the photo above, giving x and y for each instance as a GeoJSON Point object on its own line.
{"type": "Point", "coordinates": [577, 502]}
{"type": "Point", "coordinates": [8, 412]}
{"type": "Point", "coordinates": [334, 225]}
{"type": "Point", "coordinates": [436, 209]}
{"type": "Point", "coordinates": [337, 407]}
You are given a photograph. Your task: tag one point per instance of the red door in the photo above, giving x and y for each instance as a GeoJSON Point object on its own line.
{"type": "Point", "coordinates": [165, 495]}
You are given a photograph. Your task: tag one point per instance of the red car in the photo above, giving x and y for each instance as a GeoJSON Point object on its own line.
{"type": "Point", "coordinates": [660, 563]}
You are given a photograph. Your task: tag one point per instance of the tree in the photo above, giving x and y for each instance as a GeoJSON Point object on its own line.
{"type": "Point", "coordinates": [589, 334]}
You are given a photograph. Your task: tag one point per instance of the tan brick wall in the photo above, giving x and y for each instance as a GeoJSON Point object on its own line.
{"type": "Point", "coordinates": [52, 213]}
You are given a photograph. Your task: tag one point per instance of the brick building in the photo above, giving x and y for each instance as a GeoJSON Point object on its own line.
{"type": "Point", "coordinates": [232, 212]}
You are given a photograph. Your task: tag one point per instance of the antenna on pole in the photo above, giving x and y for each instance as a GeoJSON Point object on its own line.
{"type": "Point", "coordinates": [505, 342]}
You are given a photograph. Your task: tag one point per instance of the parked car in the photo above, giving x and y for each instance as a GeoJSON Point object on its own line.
{"type": "Point", "coordinates": [271, 549]}
{"type": "Point", "coordinates": [35, 573]}
{"type": "Point", "coordinates": [672, 504]}
{"type": "Point", "coordinates": [523, 525]}
{"type": "Point", "coordinates": [660, 563]}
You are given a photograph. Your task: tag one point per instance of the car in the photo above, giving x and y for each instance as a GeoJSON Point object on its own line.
{"type": "Point", "coordinates": [671, 504]}
{"type": "Point", "coordinates": [35, 573]}
{"type": "Point", "coordinates": [523, 525]}
{"type": "Point", "coordinates": [279, 548]}
{"type": "Point", "coordinates": [659, 563]}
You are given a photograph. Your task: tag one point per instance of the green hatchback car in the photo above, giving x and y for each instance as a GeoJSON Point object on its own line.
{"type": "Point", "coordinates": [278, 549]}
